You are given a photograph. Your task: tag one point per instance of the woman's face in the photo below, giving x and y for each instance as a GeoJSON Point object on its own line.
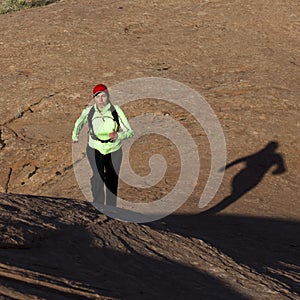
{"type": "Point", "coordinates": [101, 100]}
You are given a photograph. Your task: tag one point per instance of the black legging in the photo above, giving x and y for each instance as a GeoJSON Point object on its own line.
{"type": "Point", "coordinates": [106, 170]}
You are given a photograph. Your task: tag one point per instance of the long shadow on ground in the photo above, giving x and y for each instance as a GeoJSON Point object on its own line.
{"type": "Point", "coordinates": [269, 246]}
{"type": "Point", "coordinates": [256, 166]}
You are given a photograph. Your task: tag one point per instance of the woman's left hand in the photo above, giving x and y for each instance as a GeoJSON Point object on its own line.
{"type": "Point", "coordinates": [113, 135]}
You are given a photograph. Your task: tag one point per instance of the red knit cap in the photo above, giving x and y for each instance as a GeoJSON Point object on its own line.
{"type": "Point", "coordinates": [99, 88]}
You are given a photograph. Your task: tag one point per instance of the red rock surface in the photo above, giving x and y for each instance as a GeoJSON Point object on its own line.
{"type": "Point", "coordinates": [242, 57]}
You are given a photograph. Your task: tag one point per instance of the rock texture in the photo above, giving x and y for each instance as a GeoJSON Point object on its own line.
{"type": "Point", "coordinates": [64, 249]}
{"type": "Point", "coordinates": [243, 58]}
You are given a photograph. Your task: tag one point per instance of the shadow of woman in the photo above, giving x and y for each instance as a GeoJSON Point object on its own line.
{"type": "Point", "coordinates": [257, 165]}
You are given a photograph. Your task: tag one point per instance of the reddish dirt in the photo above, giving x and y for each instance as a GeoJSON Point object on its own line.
{"type": "Point", "coordinates": [243, 58]}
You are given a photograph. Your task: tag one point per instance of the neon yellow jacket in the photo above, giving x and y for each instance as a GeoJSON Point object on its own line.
{"type": "Point", "coordinates": [103, 125]}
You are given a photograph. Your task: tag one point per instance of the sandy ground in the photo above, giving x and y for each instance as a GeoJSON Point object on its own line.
{"type": "Point", "coordinates": [243, 58]}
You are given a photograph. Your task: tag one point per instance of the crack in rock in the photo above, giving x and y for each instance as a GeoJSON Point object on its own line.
{"type": "Point", "coordinates": [29, 108]}
{"type": "Point", "coordinates": [2, 142]}
{"type": "Point", "coordinates": [33, 172]}
{"type": "Point", "coordinates": [8, 180]}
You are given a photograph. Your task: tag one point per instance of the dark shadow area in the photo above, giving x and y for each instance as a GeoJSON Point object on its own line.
{"type": "Point", "coordinates": [70, 252]}
{"type": "Point", "coordinates": [269, 246]}
{"type": "Point", "coordinates": [256, 166]}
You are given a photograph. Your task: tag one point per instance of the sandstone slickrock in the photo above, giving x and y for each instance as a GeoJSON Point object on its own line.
{"type": "Point", "coordinates": [243, 57]}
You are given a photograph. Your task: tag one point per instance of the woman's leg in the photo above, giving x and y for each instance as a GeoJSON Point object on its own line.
{"type": "Point", "coordinates": [112, 170]}
{"type": "Point", "coordinates": [97, 182]}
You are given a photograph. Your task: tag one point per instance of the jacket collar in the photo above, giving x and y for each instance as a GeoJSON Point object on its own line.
{"type": "Point", "coordinates": [105, 108]}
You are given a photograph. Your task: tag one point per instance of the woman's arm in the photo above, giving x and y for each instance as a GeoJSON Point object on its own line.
{"type": "Point", "coordinates": [125, 131]}
{"type": "Point", "coordinates": [79, 123]}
